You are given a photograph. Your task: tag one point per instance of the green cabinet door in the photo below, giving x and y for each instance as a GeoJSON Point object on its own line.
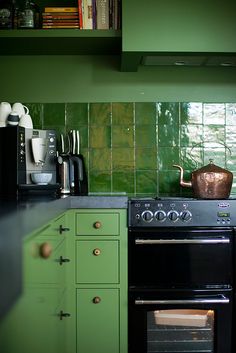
{"type": "Point", "coordinates": [98, 321]}
{"type": "Point", "coordinates": [97, 261]}
{"type": "Point", "coordinates": [98, 223]}
{"type": "Point", "coordinates": [34, 325]}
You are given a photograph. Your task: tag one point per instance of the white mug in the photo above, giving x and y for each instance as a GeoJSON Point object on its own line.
{"type": "Point", "coordinates": [5, 110]}
{"type": "Point", "coordinates": [20, 109]}
{"type": "Point", "coordinates": [26, 121]}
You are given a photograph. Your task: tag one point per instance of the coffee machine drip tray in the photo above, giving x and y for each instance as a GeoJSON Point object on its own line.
{"type": "Point", "coordinates": [38, 189]}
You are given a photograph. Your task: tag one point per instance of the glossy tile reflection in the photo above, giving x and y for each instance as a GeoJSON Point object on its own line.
{"type": "Point", "coordinates": [131, 147]}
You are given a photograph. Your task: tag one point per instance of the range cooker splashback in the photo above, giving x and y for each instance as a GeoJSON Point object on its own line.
{"type": "Point", "coordinates": [181, 213]}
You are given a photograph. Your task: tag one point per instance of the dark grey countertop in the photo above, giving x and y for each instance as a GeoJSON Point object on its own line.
{"type": "Point", "coordinates": [19, 218]}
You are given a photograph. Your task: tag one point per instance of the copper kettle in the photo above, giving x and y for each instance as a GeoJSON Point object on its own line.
{"type": "Point", "coordinates": [209, 182]}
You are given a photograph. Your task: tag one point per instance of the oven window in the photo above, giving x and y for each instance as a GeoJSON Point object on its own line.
{"type": "Point", "coordinates": [182, 330]}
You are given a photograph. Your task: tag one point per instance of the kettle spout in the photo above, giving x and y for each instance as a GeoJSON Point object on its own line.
{"type": "Point", "coordinates": [183, 183]}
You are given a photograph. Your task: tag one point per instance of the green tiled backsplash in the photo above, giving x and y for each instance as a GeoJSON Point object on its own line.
{"type": "Point", "coordinates": [130, 148]}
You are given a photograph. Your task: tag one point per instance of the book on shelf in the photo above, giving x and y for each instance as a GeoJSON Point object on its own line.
{"type": "Point", "coordinates": [47, 26]}
{"type": "Point", "coordinates": [103, 14]}
{"type": "Point", "coordinates": [60, 16]}
{"type": "Point", "coordinates": [87, 14]}
{"type": "Point", "coordinates": [60, 9]}
{"type": "Point", "coordinates": [80, 13]}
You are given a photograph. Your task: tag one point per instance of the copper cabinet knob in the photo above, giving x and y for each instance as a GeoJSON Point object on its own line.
{"type": "Point", "coordinates": [45, 250]}
{"type": "Point", "coordinates": [96, 252]}
{"type": "Point", "coordinates": [97, 225]}
{"type": "Point", "coordinates": [96, 300]}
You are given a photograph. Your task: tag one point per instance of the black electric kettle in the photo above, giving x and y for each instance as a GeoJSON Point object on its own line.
{"type": "Point", "coordinates": [72, 173]}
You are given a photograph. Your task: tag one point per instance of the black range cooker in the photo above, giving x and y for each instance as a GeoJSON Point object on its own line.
{"type": "Point", "coordinates": [181, 275]}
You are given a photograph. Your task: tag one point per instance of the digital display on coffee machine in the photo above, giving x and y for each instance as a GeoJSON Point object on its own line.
{"type": "Point", "coordinates": [35, 133]}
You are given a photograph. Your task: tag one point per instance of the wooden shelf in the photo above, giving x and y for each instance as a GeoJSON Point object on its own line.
{"type": "Point", "coordinates": [60, 42]}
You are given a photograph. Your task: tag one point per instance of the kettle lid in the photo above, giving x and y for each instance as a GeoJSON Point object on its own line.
{"type": "Point", "coordinates": [212, 168]}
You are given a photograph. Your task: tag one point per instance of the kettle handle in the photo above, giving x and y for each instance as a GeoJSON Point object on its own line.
{"type": "Point", "coordinates": [201, 144]}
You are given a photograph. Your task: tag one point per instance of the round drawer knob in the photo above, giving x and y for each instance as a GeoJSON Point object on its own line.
{"type": "Point", "coordinates": [97, 225]}
{"type": "Point", "coordinates": [96, 300]}
{"type": "Point", "coordinates": [45, 250]}
{"type": "Point", "coordinates": [96, 252]}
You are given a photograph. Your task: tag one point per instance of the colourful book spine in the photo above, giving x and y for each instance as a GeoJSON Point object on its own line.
{"type": "Point", "coordinates": [80, 12]}
{"type": "Point", "coordinates": [102, 14]}
{"type": "Point", "coordinates": [60, 9]}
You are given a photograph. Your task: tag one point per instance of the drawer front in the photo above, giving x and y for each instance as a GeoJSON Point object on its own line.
{"type": "Point", "coordinates": [97, 224]}
{"type": "Point", "coordinates": [57, 227]}
{"type": "Point", "coordinates": [98, 319]}
{"type": "Point", "coordinates": [97, 261]}
{"type": "Point", "coordinates": [44, 261]}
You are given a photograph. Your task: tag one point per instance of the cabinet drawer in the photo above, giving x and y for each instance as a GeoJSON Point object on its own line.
{"type": "Point", "coordinates": [57, 227]}
{"type": "Point", "coordinates": [98, 320]}
{"type": "Point", "coordinates": [97, 261]}
{"type": "Point", "coordinates": [97, 223]}
{"type": "Point", "coordinates": [44, 261]}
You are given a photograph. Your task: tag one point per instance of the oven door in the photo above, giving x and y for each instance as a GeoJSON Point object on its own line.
{"type": "Point", "coordinates": [172, 322]}
{"type": "Point", "coordinates": [167, 258]}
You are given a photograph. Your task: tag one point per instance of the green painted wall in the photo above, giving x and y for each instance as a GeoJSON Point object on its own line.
{"type": "Point", "coordinates": [98, 79]}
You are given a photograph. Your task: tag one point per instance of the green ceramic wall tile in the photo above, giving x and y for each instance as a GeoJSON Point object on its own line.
{"type": "Point", "coordinates": [99, 136]}
{"type": "Point", "coordinates": [214, 113]}
{"type": "Point", "coordinates": [169, 183]}
{"type": "Point", "coordinates": [76, 115]}
{"type": "Point", "coordinates": [168, 113]}
{"type": "Point", "coordinates": [36, 113]}
{"type": "Point", "coordinates": [191, 113]}
{"type": "Point", "coordinates": [230, 111]}
{"type": "Point", "coordinates": [214, 135]}
{"type": "Point", "coordinates": [122, 136]}
{"type": "Point", "coordinates": [131, 147]}
{"type": "Point", "coordinates": [146, 182]}
{"type": "Point", "coordinates": [53, 114]}
{"type": "Point", "coordinates": [123, 181]}
{"type": "Point", "coordinates": [167, 156]}
{"type": "Point", "coordinates": [168, 135]}
{"type": "Point", "coordinates": [191, 134]}
{"type": "Point", "coordinates": [191, 158]}
{"type": "Point", "coordinates": [145, 113]}
{"type": "Point", "coordinates": [122, 113]}
{"type": "Point", "coordinates": [145, 158]}
{"type": "Point", "coordinates": [100, 159]}
{"type": "Point", "coordinates": [100, 113]}
{"type": "Point", "coordinates": [230, 135]}
{"type": "Point", "coordinates": [100, 182]}
{"type": "Point", "coordinates": [122, 158]}
{"type": "Point", "coordinates": [146, 135]}
{"type": "Point", "coordinates": [218, 155]}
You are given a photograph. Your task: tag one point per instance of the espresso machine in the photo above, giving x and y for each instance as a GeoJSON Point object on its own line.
{"type": "Point", "coordinates": [24, 152]}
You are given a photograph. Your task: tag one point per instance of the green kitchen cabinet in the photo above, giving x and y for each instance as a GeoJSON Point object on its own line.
{"type": "Point", "coordinates": [37, 322]}
{"type": "Point", "coordinates": [99, 277]}
{"type": "Point", "coordinates": [98, 320]}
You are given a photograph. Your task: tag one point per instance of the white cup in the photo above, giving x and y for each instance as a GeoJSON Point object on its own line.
{"type": "Point", "coordinates": [20, 109]}
{"type": "Point", "coordinates": [39, 149]}
{"type": "Point", "coordinates": [26, 121]}
{"type": "Point", "coordinates": [5, 110]}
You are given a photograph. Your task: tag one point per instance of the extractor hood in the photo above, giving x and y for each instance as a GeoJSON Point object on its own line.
{"type": "Point", "coordinates": [183, 32]}
{"type": "Point", "coordinates": [189, 60]}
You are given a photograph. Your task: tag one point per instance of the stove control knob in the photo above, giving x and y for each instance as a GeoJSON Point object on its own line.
{"type": "Point", "coordinates": [173, 216]}
{"type": "Point", "coordinates": [160, 216]}
{"type": "Point", "coordinates": [186, 216]}
{"type": "Point", "coordinates": [147, 216]}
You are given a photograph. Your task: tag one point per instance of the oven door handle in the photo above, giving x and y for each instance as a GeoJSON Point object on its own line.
{"type": "Point", "coordinates": [218, 300]}
{"type": "Point", "coordinates": [182, 241]}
